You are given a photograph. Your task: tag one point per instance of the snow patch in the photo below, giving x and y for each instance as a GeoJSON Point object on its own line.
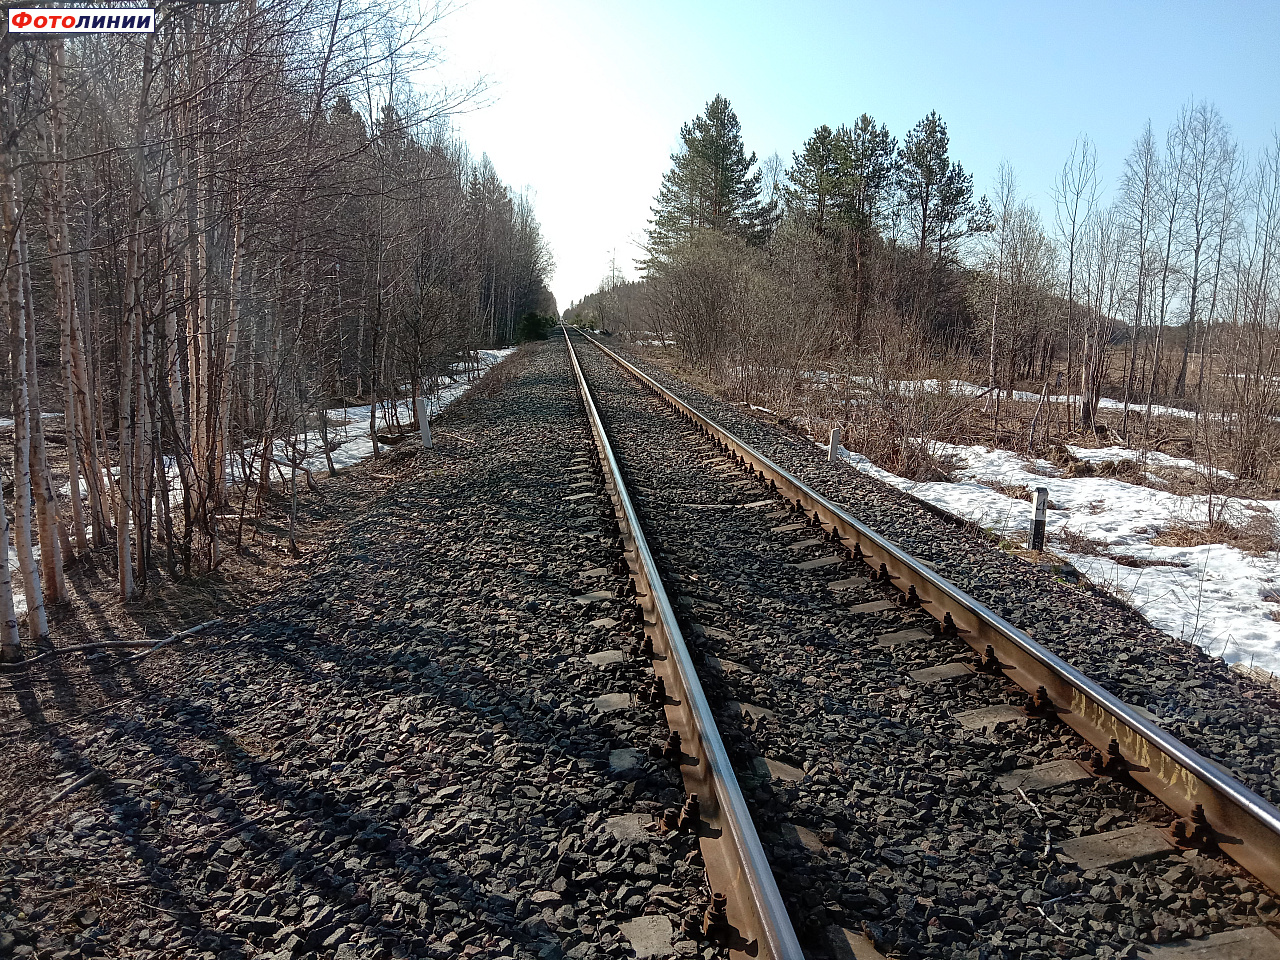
{"type": "Point", "coordinates": [915, 388]}
{"type": "Point", "coordinates": [1213, 595]}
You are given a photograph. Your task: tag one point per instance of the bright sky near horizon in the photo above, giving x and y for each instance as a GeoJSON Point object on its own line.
{"type": "Point", "coordinates": [586, 97]}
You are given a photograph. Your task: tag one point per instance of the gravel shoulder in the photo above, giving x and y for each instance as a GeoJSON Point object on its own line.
{"type": "Point", "coordinates": [399, 753]}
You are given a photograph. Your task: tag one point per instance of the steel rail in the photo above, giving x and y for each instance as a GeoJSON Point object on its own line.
{"type": "Point", "coordinates": [1218, 810]}
{"type": "Point", "coordinates": [731, 851]}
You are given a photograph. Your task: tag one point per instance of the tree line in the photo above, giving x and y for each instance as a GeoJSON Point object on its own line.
{"type": "Point", "coordinates": [214, 232]}
{"type": "Point", "coordinates": [873, 257]}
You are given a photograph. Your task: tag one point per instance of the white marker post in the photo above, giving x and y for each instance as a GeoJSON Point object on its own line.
{"type": "Point", "coordinates": [1038, 514]}
{"type": "Point", "coordinates": [833, 446]}
{"type": "Point", "coordinates": [424, 423]}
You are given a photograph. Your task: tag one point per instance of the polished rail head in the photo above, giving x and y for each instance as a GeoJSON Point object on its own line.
{"type": "Point", "coordinates": [768, 913]}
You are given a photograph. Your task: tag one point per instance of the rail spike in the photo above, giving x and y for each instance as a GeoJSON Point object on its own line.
{"type": "Point", "coordinates": [947, 629]}
{"type": "Point", "coordinates": [988, 663]}
{"type": "Point", "coordinates": [1194, 831]}
{"type": "Point", "coordinates": [715, 924]}
{"type": "Point", "coordinates": [690, 815]}
{"type": "Point", "coordinates": [1113, 764]}
{"type": "Point", "coordinates": [1040, 705]}
{"type": "Point", "coordinates": [671, 749]}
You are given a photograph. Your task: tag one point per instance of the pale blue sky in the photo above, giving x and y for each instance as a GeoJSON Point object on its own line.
{"type": "Point", "coordinates": [588, 97]}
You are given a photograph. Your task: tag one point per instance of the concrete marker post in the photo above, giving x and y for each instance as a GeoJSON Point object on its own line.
{"type": "Point", "coordinates": [833, 446]}
{"type": "Point", "coordinates": [1038, 514]}
{"type": "Point", "coordinates": [424, 423]}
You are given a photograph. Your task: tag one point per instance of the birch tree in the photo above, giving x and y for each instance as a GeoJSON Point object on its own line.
{"type": "Point", "coordinates": [1075, 196]}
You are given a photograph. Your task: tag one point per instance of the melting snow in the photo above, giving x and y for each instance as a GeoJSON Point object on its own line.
{"type": "Point", "coordinates": [1210, 595]}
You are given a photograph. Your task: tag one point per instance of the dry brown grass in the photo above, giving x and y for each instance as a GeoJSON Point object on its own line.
{"type": "Point", "coordinates": [1015, 491]}
{"type": "Point", "coordinates": [1075, 542]}
{"type": "Point", "coordinates": [500, 374]}
{"type": "Point", "coordinates": [1256, 534]}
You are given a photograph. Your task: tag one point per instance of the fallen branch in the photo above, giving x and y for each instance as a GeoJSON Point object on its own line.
{"type": "Point", "coordinates": [173, 639]}
{"type": "Point", "coordinates": [103, 645]}
{"type": "Point", "coordinates": [1050, 921]}
{"type": "Point", "coordinates": [1031, 803]}
{"type": "Point", "coordinates": [116, 644]}
{"type": "Point", "coordinates": [175, 913]}
{"type": "Point", "coordinates": [306, 472]}
{"type": "Point", "coordinates": [77, 716]}
{"type": "Point", "coordinates": [84, 781]}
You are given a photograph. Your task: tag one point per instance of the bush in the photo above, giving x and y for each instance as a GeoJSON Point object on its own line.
{"type": "Point", "coordinates": [534, 326]}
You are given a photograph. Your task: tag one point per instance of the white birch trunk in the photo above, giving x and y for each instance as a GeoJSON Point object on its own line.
{"type": "Point", "coordinates": [53, 536]}
{"type": "Point", "coordinates": [64, 286]}
{"type": "Point", "coordinates": [124, 502]}
{"type": "Point", "coordinates": [37, 620]}
{"type": "Point", "coordinates": [9, 638]}
{"type": "Point", "coordinates": [222, 427]}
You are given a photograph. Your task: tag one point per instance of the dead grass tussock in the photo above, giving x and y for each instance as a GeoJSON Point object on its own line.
{"type": "Point", "coordinates": [1139, 563]}
{"type": "Point", "coordinates": [1075, 542]}
{"type": "Point", "coordinates": [1256, 534]}
{"type": "Point", "coordinates": [915, 461]}
{"type": "Point", "coordinates": [1014, 491]}
{"type": "Point", "coordinates": [1033, 466]}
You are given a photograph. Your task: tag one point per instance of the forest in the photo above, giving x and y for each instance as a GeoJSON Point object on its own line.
{"type": "Point", "coordinates": [822, 286]}
{"type": "Point", "coordinates": [214, 233]}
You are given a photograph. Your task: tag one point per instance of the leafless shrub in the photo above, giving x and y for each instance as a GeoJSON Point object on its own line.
{"type": "Point", "coordinates": [900, 399]}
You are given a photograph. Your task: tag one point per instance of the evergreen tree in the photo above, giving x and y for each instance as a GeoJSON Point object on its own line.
{"type": "Point", "coordinates": [815, 179]}
{"type": "Point", "coordinates": [867, 169]}
{"type": "Point", "coordinates": [938, 193]}
{"type": "Point", "coordinates": [711, 185]}
{"type": "Point", "coordinates": [844, 177]}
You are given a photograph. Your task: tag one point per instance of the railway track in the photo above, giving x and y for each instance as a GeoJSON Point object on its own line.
{"type": "Point", "coordinates": [914, 765]}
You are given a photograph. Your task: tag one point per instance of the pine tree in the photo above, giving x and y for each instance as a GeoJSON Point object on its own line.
{"type": "Point", "coordinates": [866, 168]}
{"type": "Point", "coordinates": [711, 185]}
{"type": "Point", "coordinates": [937, 192]}
{"type": "Point", "coordinates": [815, 179]}
{"type": "Point", "coordinates": [844, 176]}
